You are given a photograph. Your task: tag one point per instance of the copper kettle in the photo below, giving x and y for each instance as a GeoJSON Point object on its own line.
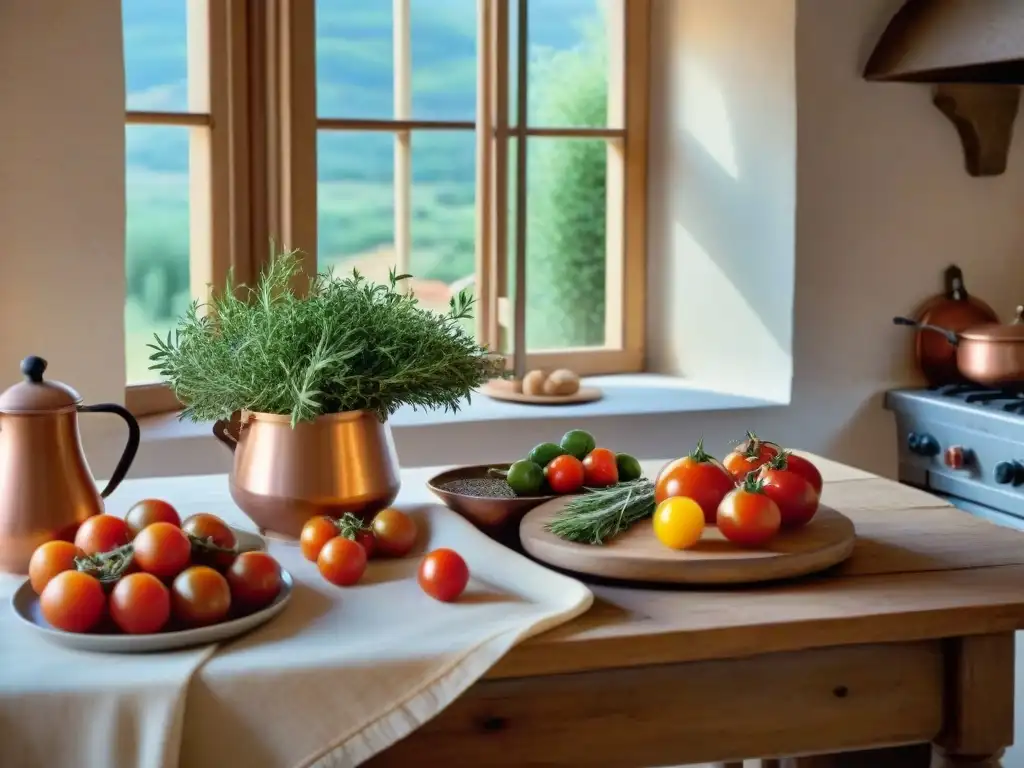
{"type": "Point", "coordinates": [46, 488]}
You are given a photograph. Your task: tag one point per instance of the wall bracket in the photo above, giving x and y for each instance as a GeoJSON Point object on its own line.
{"type": "Point", "coordinates": [983, 115]}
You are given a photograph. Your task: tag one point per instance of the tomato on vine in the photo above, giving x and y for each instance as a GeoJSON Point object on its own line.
{"type": "Point", "coordinates": [801, 466]}
{"type": "Point", "coordinates": [752, 453]}
{"type": "Point", "coordinates": [395, 532]}
{"type": "Point", "coordinates": [102, 533]}
{"type": "Point", "coordinates": [200, 596]}
{"type": "Point", "coordinates": [73, 601]}
{"type": "Point", "coordinates": [254, 579]}
{"type": "Point", "coordinates": [213, 542]}
{"type": "Point", "coordinates": [698, 476]}
{"type": "Point", "coordinates": [140, 604]}
{"type": "Point", "coordinates": [163, 550]}
{"type": "Point", "coordinates": [48, 560]}
{"type": "Point", "coordinates": [795, 497]}
{"type": "Point", "coordinates": [747, 516]}
{"type": "Point", "coordinates": [342, 561]}
{"type": "Point", "coordinates": [149, 511]}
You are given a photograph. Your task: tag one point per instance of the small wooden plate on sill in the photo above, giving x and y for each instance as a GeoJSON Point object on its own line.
{"type": "Point", "coordinates": [500, 390]}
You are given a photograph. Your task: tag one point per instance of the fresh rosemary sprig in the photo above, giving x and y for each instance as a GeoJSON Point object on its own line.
{"type": "Point", "coordinates": [347, 344]}
{"type": "Point", "coordinates": [603, 513]}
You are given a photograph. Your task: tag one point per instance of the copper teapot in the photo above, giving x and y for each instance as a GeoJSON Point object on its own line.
{"type": "Point", "coordinates": [46, 488]}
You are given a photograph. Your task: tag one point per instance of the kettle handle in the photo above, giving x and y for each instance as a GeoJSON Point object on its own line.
{"type": "Point", "coordinates": [130, 448]}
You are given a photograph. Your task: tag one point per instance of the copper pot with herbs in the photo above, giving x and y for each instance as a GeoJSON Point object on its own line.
{"type": "Point", "coordinates": [990, 354]}
{"type": "Point", "coordinates": [301, 386]}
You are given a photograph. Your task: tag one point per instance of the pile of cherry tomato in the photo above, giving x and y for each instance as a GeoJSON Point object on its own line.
{"type": "Point", "coordinates": [341, 548]}
{"type": "Point", "coordinates": [757, 490]}
{"type": "Point", "coordinates": [150, 572]}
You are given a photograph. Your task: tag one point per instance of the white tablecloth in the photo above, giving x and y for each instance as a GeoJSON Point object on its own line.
{"type": "Point", "coordinates": [339, 676]}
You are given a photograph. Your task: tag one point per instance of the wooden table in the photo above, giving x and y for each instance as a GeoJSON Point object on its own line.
{"type": "Point", "coordinates": [909, 641]}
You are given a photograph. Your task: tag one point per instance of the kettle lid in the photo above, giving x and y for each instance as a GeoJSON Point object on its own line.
{"type": "Point", "coordinates": [34, 395]}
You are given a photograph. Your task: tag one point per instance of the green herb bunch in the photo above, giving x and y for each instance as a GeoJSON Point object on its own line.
{"type": "Point", "coordinates": [348, 344]}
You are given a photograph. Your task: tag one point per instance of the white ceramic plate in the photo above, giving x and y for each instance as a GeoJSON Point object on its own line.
{"type": "Point", "coordinates": [25, 603]}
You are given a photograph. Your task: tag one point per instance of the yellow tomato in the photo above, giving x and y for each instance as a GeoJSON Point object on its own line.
{"type": "Point", "coordinates": [678, 522]}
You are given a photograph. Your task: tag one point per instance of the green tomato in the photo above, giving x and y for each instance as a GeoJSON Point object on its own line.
{"type": "Point", "coordinates": [525, 478]}
{"type": "Point", "coordinates": [544, 453]}
{"type": "Point", "coordinates": [578, 443]}
{"type": "Point", "coordinates": [629, 467]}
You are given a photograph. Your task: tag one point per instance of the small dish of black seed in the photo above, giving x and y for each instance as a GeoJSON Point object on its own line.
{"type": "Point", "coordinates": [481, 487]}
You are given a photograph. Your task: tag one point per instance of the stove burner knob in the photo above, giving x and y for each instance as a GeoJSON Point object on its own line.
{"type": "Point", "coordinates": [958, 457]}
{"type": "Point", "coordinates": [1007, 472]}
{"type": "Point", "coordinates": [923, 444]}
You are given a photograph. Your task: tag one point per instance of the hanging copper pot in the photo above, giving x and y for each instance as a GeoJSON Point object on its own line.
{"type": "Point", "coordinates": [953, 310]}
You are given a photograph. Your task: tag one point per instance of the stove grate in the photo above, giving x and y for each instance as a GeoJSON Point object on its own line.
{"type": "Point", "coordinates": [979, 395]}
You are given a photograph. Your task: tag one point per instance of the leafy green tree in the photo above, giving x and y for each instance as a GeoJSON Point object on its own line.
{"type": "Point", "coordinates": [566, 200]}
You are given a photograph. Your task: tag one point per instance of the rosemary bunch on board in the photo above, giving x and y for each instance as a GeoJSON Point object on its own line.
{"type": "Point", "coordinates": [346, 345]}
{"type": "Point", "coordinates": [604, 513]}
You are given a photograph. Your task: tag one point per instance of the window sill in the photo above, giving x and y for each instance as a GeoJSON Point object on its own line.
{"type": "Point", "coordinates": [624, 395]}
{"type": "Point", "coordinates": [629, 409]}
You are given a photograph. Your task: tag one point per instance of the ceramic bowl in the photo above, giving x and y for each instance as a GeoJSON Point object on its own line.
{"type": "Point", "coordinates": [499, 518]}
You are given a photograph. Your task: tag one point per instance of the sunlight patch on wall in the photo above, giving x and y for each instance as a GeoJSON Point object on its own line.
{"type": "Point", "coordinates": [704, 115]}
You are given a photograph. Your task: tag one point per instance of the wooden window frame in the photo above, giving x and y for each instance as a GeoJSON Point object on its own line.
{"type": "Point", "coordinates": [253, 169]}
{"type": "Point", "coordinates": [220, 237]}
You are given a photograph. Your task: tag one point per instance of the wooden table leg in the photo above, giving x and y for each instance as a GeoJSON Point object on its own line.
{"type": "Point", "coordinates": [979, 696]}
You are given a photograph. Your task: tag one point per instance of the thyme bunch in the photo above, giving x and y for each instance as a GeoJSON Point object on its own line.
{"type": "Point", "coordinates": [603, 513]}
{"type": "Point", "coordinates": [348, 344]}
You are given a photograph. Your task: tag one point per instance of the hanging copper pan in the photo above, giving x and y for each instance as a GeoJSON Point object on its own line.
{"type": "Point", "coordinates": [952, 310]}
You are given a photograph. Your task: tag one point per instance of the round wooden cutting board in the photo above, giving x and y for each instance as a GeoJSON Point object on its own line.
{"type": "Point", "coordinates": [637, 555]}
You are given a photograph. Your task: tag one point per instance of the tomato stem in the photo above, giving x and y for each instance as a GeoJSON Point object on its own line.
{"type": "Point", "coordinates": [107, 566]}
{"type": "Point", "coordinates": [753, 482]}
{"type": "Point", "coordinates": [350, 526]}
{"type": "Point", "coordinates": [698, 454]}
{"type": "Point", "coordinates": [779, 460]}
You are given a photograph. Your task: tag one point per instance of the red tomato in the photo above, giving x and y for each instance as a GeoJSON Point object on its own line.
{"type": "Point", "coordinates": [600, 468]}
{"type": "Point", "coordinates": [73, 601]}
{"type": "Point", "coordinates": [102, 533]}
{"type": "Point", "coordinates": [255, 580]}
{"type": "Point", "coordinates": [565, 474]}
{"type": "Point", "coordinates": [213, 531]}
{"type": "Point", "coordinates": [149, 511]}
{"type": "Point", "coordinates": [747, 516]}
{"type": "Point", "coordinates": [794, 496]}
{"type": "Point", "coordinates": [749, 455]}
{"type": "Point", "coordinates": [698, 477]}
{"type": "Point", "coordinates": [200, 596]}
{"type": "Point", "coordinates": [801, 466]}
{"type": "Point", "coordinates": [443, 575]}
{"type": "Point", "coordinates": [163, 550]}
{"type": "Point", "coordinates": [395, 532]}
{"type": "Point", "coordinates": [140, 604]}
{"type": "Point", "coordinates": [48, 560]}
{"type": "Point", "coordinates": [315, 533]}
{"type": "Point", "coordinates": [367, 541]}
{"type": "Point", "coordinates": [342, 561]}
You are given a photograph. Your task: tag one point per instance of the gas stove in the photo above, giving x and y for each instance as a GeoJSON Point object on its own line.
{"type": "Point", "coordinates": [966, 444]}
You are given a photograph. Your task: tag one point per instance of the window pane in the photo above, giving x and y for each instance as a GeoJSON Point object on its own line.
{"type": "Point", "coordinates": [156, 55]}
{"type": "Point", "coordinates": [444, 50]}
{"type": "Point", "coordinates": [443, 227]}
{"type": "Point", "coordinates": [354, 52]}
{"type": "Point", "coordinates": [157, 198]}
{"type": "Point", "coordinates": [569, 62]}
{"type": "Point", "coordinates": [355, 202]}
{"type": "Point", "coordinates": [565, 257]}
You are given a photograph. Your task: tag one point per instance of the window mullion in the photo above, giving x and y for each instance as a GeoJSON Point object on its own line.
{"type": "Point", "coordinates": [522, 120]}
{"type": "Point", "coordinates": [486, 309]}
{"type": "Point", "coordinates": [402, 52]}
{"type": "Point", "coordinates": [498, 298]}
